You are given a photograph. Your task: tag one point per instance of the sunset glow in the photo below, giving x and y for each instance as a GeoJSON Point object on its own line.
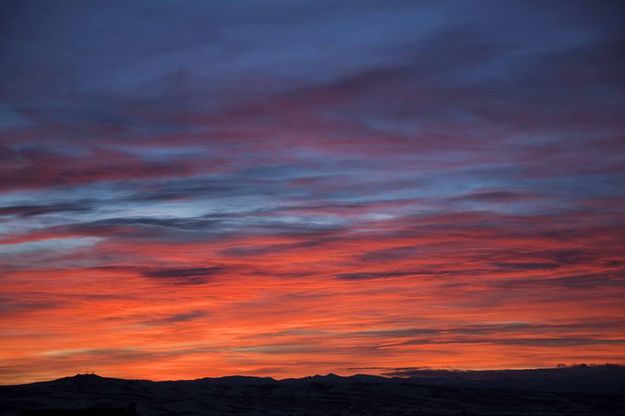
{"type": "Point", "coordinates": [193, 189]}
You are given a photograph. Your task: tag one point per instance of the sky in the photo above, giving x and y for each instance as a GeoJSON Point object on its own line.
{"type": "Point", "coordinates": [286, 188]}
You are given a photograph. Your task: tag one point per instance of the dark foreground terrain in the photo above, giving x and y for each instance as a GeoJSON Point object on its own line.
{"type": "Point", "coordinates": [325, 395]}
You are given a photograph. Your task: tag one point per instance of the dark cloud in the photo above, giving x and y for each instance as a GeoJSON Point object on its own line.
{"type": "Point", "coordinates": [185, 276]}
{"type": "Point", "coordinates": [391, 254]}
{"type": "Point", "coordinates": [492, 196]}
{"type": "Point", "coordinates": [259, 250]}
{"type": "Point", "coordinates": [179, 317]}
{"type": "Point", "coordinates": [18, 304]}
{"type": "Point", "coordinates": [572, 281]}
{"type": "Point", "coordinates": [392, 274]}
{"type": "Point", "coordinates": [549, 341]}
{"type": "Point", "coordinates": [121, 223]}
{"type": "Point", "coordinates": [44, 169]}
{"type": "Point", "coordinates": [430, 334]}
{"type": "Point", "coordinates": [526, 266]}
{"type": "Point", "coordinates": [35, 210]}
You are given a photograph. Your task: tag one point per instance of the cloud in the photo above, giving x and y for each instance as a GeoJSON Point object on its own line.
{"type": "Point", "coordinates": [181, 317]}
{"type": "Point", "coordinates": [573, 281]}
{"type": "Point", "coordinates": [526, 266]}
{"type": "Point", "coordinates": [492, 196]}
{"type": "Point", "coordinates": [186, 276]}
{"type": "Point", "coordinates": [20, 304]}
{"type": "Point", "coordinates": [391, 274]}
{"type": "Point", "coordinates": [43, 169]}
{"type": "Point", "coordinates": [35, 210]}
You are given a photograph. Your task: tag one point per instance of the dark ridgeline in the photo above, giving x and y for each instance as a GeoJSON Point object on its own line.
{"type": "Point", "coordinates": [91, 395]}
{"type": "Point", "coordinates": [602, 379]}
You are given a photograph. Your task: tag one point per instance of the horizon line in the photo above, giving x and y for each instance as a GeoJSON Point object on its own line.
{"type": "Point", "coordinates": [331, 374]}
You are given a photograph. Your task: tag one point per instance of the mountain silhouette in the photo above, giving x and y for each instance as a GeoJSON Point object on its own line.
{"type": "Point", "coordinates": [425, 392]}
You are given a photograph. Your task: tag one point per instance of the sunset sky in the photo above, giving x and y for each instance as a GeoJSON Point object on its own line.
{"type": "Point", "coordinates": [285, 188]}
